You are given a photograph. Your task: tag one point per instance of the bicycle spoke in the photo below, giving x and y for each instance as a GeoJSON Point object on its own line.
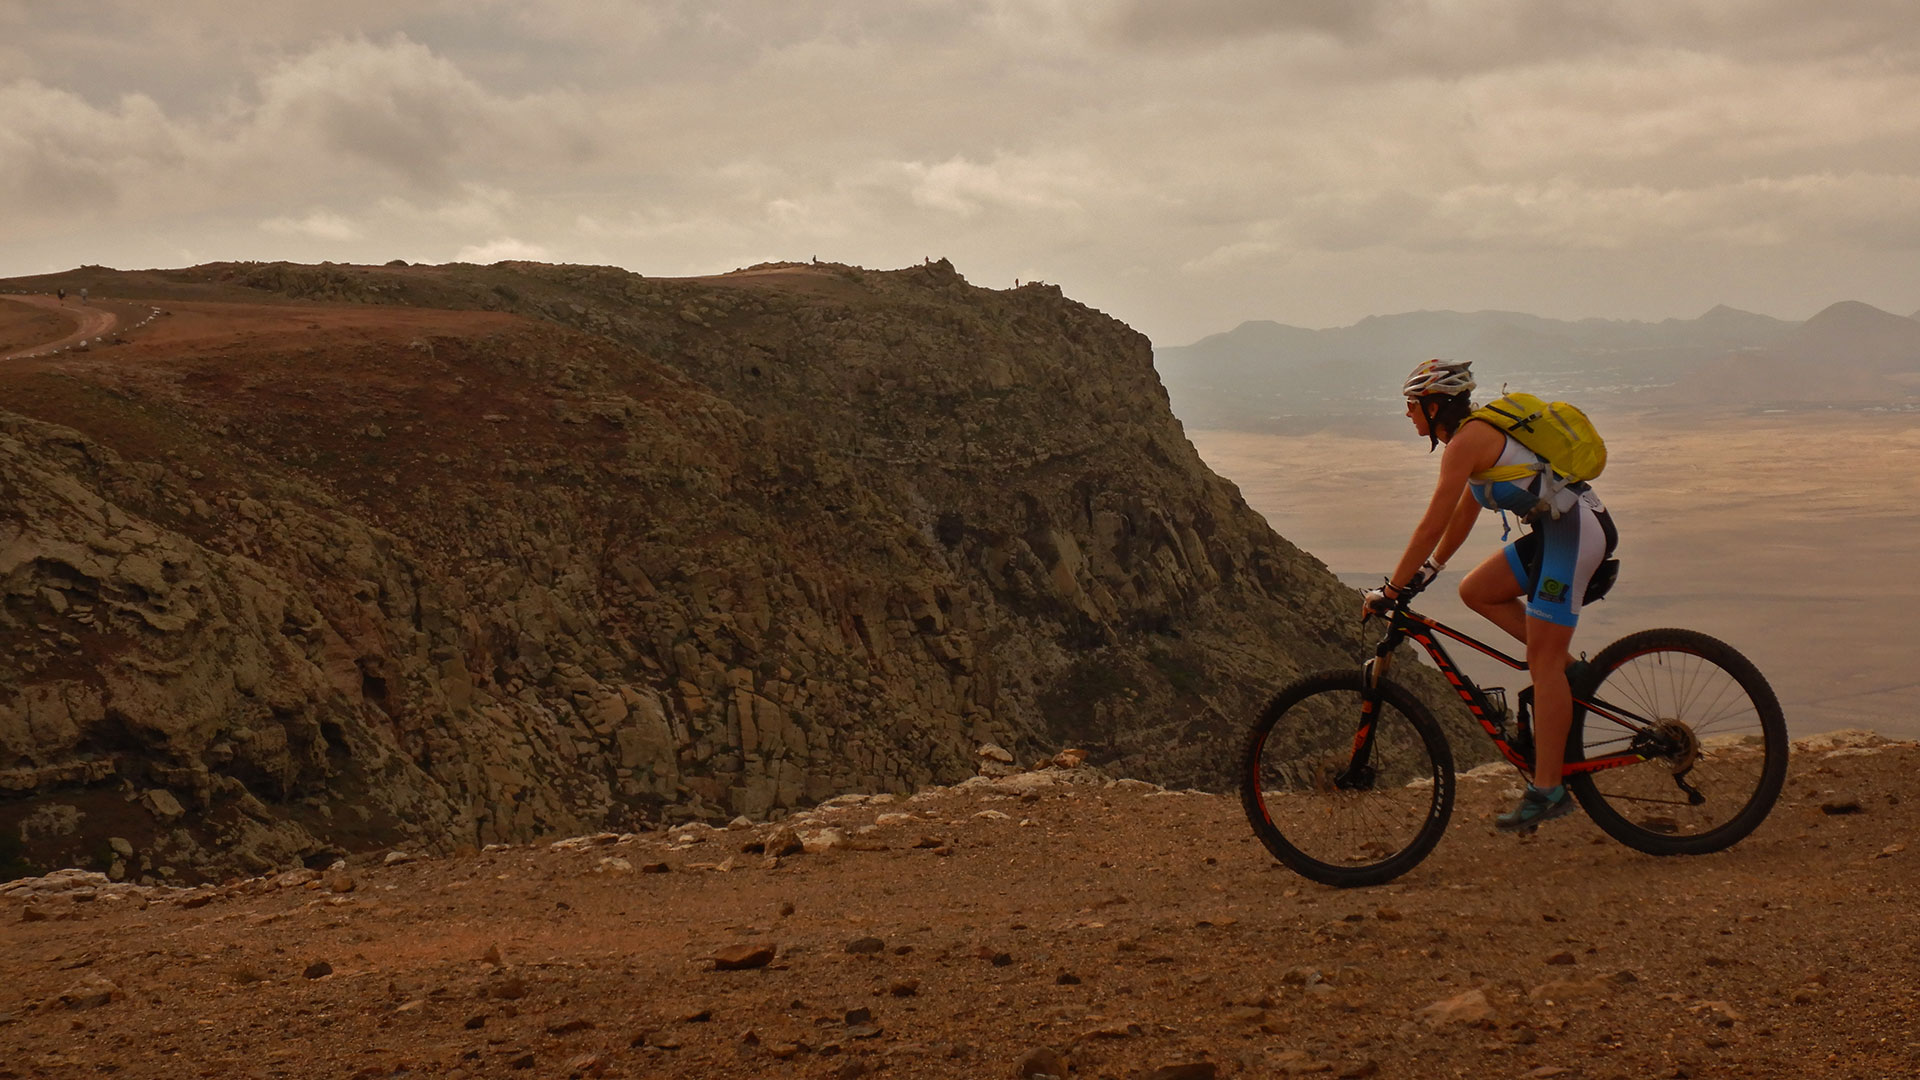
{"type": "Point", "coordinates": [1713, 743]}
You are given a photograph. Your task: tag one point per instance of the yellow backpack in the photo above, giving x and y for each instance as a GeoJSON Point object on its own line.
{"type": "Point", "coordinates": [1557, 431]}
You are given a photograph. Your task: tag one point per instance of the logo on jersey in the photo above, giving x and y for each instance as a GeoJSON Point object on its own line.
{"type": "Point", "coordinates": [1553, 592]}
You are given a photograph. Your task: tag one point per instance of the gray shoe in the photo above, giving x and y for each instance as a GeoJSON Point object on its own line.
{"type": "Point", "coordinates": [1535, 807]}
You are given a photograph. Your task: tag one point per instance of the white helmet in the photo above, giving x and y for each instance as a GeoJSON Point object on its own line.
{"type": "Point", "coordinates": [1439, 377]}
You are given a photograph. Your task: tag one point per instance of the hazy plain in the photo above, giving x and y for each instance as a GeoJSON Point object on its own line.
{"type": "Point", "coordinates": [1793, 535]}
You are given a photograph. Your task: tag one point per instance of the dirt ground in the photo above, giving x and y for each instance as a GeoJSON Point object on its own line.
{"type": "Point", "coordinates": [1049, 922]}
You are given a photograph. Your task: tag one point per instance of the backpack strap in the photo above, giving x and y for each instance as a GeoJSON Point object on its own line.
{"type": "Point", "coordinates": [1508, 473]}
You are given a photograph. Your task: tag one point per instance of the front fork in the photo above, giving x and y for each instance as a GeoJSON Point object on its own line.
{"type": "Point", "coordinates": [1359, 773]}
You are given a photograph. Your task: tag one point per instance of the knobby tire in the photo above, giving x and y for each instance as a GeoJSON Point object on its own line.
{"type": "Point", "coordinates": [1346, 838]}
{"type": "Point", "coordinates": [1686, 681]}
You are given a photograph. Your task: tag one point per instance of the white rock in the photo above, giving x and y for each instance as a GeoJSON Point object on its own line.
{"type": "Point", "coordinates": [822, 840]}
{"type": "Point", "coordinates": [994, 752]}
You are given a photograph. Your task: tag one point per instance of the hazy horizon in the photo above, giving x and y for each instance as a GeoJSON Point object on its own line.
{"type": "Point", "coordinates": [1185, 168]}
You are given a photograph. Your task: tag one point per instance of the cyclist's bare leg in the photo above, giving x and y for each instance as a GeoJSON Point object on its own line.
{"type": "Point", "coordinates": [1491, 590]}
{"type": "Point", "coordinates": [1547, 659]}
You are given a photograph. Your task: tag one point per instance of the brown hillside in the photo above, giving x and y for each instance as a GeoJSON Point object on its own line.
{"type": "Point", "coordinates": [332, 558]}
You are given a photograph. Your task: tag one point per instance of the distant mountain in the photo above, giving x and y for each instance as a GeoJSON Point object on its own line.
{"type": "Point", "coordinates": [1856, 334]}
{"type": "Point", "coordinates": [1270, 376]}
{"type": "Point", "coordinates": [1850, 353]}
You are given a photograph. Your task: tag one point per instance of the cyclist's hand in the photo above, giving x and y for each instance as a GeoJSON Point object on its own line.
{"type": "Point", "coordinates": [1374, 602]}
{"type": "Point", "coordinates": [1424, 576]}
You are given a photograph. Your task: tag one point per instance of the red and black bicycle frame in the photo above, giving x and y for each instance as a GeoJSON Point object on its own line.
{"type": "Point", "coordinates": [1403, 625]}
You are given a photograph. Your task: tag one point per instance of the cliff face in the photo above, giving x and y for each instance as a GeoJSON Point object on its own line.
{"type": "Point", "coordinates": [284, 575]}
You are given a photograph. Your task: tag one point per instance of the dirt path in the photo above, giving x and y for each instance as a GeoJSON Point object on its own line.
{"type": "Point", "coordinates": [1046, 922]}
{"type": "Point", "coordinates": [96, 320]}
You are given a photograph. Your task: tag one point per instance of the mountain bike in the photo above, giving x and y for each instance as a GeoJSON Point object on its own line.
{"type": "Point", "coordinates": [1678, 747]}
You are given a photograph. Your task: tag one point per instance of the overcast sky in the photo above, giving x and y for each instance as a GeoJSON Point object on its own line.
{"type": "Point", "coordinates": [1181, 164]}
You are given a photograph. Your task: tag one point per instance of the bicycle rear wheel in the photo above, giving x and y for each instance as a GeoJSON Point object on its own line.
{"type": "Point", "coordinates": [1320, 816]}
{"type": "Point", "coordinates": [1715, 735]}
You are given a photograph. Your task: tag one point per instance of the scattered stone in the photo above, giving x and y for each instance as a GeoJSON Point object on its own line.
{"type": "Point", "coordinates": [91, 992]}
{"type": "Point", "coordinates": [1834, 807]}
{"type": "Point", "coordinates": [1546, 1071]}
{"type": "Point", "coordinates": [1069, 759]}
{"type": "Point", "coordinates": [1387, 914]}
{"type": "Point", "coordinates": [1890, 851]}
{"type": "Point", "coordinates": [524, 1061]}
{"type": "Point", "coordinates": [163, 803]}
{"type": "Point", "coordinates": [569, 1027]}
{"type": "Point", "coordinates": [475, 1022]}
{"type": "Point", "coordinates": [34, 913]}
{"type": "Point", "coordinates": [783, 840]}
{"type": "Point", "coordinates": [295, 878]}
{"type": "Point", "coordinates": [613, 864]}
{"type": "Point", "coordinates": [742, 957]}
{"type": "Point", "coordinates": [866, 945]}
{"type": "Point", "coordinates": [1561, 958]}
{"type": "Point", "coordinates": [1066, 978]}
{"type": "Point", "coordinates": [493, 956]}
{"type": "Point", "coordinates": [339, 882]}
{"type": "Point", "coordinates": [319, 969]}
{"type": "Point", "coordinates": [1299, 1063]}
{"type": "Point", "coordinates": [510, 988]}
{"type": "Point", "coordinates": [1042, 1061]}
{"type": "Point", "coordinates": [654, 868]}
{"type": "Point", "coordinates": [1110, 1031]}
{"type": "Point", "coordinates": [994, 753]}
{"type": "Point", "coordinates": [1469, 1007]}
{"type": "Point", "coordinates": [823, 840]}
{"type": "Point", "coordinates": [1361, 1071]}
{"type": "Point", "coordinates": [904, 988]}
{"type": "Point", "coordinates": [395, 858]}
{"type": "Point", "coordinates": [1623, 977]}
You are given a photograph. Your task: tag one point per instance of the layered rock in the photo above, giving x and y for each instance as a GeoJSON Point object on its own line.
{"type": "Point", "coordinates": [718, 547]}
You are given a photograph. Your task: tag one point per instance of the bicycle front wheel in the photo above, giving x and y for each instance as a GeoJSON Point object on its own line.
{"type": "Point", "coordinates": [1713, 733]}
{"type": "Point", "coordinates": [1324, 813]}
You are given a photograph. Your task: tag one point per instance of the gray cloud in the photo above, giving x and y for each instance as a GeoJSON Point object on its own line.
{"type": "Point", "coordinates": [1182, 165]}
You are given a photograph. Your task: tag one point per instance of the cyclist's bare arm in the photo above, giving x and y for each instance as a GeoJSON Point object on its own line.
{"type": "Point", "coordinates": [1473, 448]}
{"type": "Point", "coordinates": [1465, 513]}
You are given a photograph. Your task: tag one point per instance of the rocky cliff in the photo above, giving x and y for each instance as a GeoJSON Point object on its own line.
{"type": "Point", "coordinates": [337, 557]}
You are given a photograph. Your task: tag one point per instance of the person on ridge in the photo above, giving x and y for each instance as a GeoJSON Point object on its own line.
{"type": "Point", "coordinates": [1531, 588]}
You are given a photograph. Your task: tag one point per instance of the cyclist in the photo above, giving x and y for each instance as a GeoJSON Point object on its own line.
{"type": "Point", "coordinates": [1532, 588]}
